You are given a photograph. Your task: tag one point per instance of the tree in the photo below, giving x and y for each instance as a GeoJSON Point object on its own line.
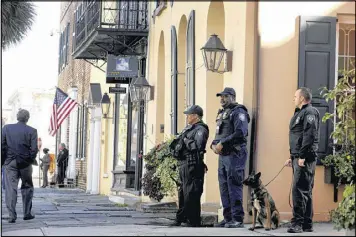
{"type": "Point", "coordinates": [17, 18]}
{"type": "Point", "coordinates": [343, 159]}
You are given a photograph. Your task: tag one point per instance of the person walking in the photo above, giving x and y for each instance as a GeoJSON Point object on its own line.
{"type": "Point", "coordinates": [19, 150]}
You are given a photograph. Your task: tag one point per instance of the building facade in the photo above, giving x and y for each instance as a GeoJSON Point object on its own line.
{"type": "Point", "coordinates": [276, 48]}
{"type": "Point", "coordinates": [73, 79]}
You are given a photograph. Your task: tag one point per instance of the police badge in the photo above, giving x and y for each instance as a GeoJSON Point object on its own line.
{"type": "Point", "coordinates": [225, 115]}
{"type": "Point", "coordinates": [297, 120]}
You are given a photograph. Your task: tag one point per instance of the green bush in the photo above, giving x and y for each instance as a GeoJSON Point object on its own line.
{"type": "Point", "coordinates": [343, 159]}
{"type": "Point", "coordinates": [161, 176]}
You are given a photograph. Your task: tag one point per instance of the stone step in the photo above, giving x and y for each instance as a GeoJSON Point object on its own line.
{"type": "Point", "coordinates": [125, 200]}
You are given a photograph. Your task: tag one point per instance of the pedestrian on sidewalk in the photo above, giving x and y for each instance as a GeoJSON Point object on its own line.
{"type": "Point", "coordinates": [45, 166]}
{"type": "Point", "coordinates": [19, 150]}
{"type": "Point", "coordinates": [62, 163]}
{"type": "Point", "coordinates": [189, 149]}
{"type": "Point", "coordinates": [304, 132]}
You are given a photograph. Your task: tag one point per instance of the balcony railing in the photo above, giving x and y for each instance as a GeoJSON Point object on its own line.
{"type": "Point", "coordinates": [121, 15]}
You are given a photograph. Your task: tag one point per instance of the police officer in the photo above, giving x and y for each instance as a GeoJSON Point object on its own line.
{"type": "Point", "coordinates": [303, 142]}
{"type": "Point", "coordinates": [189, 148]}
{"type": "Point", "coordinates": [230, 143]}
{"type": "Point", "coordinates": [62, 163]}
{"type": "Point", "coordinates": [19, 150]}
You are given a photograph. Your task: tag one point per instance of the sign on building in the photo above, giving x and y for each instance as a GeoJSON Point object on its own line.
{"type": "Point", "coordinates": [121, 69]}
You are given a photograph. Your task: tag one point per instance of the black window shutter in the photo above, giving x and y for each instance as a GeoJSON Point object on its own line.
{"type": "Point", "coordinates": [59, 54]}
{"type": "Point", "coordinates": [316, 69]}
{"type": "Point", "coordinates": [174, 74]}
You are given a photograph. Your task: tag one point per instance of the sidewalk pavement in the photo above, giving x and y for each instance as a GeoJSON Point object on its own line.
{"type": "Point", "coordinates": [64, 212]}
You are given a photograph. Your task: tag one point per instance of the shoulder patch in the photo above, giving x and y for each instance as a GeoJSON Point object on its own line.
{"type": "Point", "coordinates": [310, 118]}
{"type": "Point", "coordinates": [242, 117]}
{"type": "Point", "coordinates": [200, 133]}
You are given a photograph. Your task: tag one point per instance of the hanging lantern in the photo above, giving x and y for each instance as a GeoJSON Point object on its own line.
{"type": "Point", "coordinates": [213, 53]}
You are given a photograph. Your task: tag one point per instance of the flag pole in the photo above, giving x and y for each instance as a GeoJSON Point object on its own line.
{"type": "Point", "coordinates": [55, 160]}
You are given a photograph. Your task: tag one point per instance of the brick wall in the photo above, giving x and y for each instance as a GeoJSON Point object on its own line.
{"type": "Point", "coordinates": [75, 74]}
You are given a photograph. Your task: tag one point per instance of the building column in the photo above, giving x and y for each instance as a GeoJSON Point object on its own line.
{"type": "Point", "coordinates": [91, 154]}
{"type": "Point", "coordinates": [72, 135]}
{"type": "Point", "coordinates": [96, 152]}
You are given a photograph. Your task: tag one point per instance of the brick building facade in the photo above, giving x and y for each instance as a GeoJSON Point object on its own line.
{"type": "Point", "coordinates": [73, 73]}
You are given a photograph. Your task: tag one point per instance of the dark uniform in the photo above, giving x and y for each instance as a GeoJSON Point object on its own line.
{"type": "Point", "coordinates": [62, 163]}
{"type": "Point", "coordinates": [189, 149]}
{"type": "Point", "coordinates": [231, 132]}
{"type": "Point", "coordinates": [18, 154]}
{"type": "Point", "coordinates": [303, 142]}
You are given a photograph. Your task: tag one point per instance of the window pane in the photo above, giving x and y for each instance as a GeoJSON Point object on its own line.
{"type": "Point", "coordinates": [122, 140]}
{"type": "Point", "coordinates": [134, 136]}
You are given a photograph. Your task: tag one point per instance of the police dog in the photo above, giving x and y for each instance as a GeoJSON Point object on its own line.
{"type": "Point", "coordinates": [263, 207]}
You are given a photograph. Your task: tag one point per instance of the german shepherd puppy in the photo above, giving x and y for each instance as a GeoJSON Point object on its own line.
{"type": "Point", "coordinates": [263, 207]}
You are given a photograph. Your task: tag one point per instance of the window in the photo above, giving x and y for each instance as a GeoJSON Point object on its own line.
{"type": "Point", "coordinates": [190, 63]}
{"type": "Point", "coordinates": [63, 49]}
{"type": "Point", "coordinates": [122, 139]}
{"type": "Point", "coordinates": [81, 133]}
{"type": "Point", "coordinates": [346, 47]}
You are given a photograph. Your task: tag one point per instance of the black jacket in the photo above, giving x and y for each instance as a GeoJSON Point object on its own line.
{"type": "Point", "coordinates": [304, 131]}
{"type": "Point", "coordinates": [19, 141]}
{"type": "Point", "coordinates": [63, 157]}
{"type": "Point", "coordinates": [196, 138]}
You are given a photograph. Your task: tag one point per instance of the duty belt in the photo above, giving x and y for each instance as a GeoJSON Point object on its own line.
{"type": "Point", "coordinates": [189, 159]}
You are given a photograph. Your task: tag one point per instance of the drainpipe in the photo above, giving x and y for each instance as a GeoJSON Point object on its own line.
{"type": "Point", "coordinates": [256, 91]}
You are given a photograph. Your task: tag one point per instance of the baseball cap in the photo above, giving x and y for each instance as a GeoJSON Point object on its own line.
{"type": "Point", "coordinates": [227, 91]}
{"type": "Point", "coordinates": [194, 109]}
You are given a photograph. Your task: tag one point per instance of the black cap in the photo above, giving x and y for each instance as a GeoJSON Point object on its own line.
{"type": "Point", "coordinates": [227, 91]}
{"type": "Point", "coordinates": [194, 109]}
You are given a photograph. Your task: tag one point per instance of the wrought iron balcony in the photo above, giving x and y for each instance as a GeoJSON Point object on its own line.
{"type": "Point", "coordinates": [106, 27]}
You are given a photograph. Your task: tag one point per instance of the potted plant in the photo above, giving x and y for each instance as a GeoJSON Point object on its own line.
{"type": "Point", "coordinates": [343, 158]}
{"type": "Point", "coordinates": [161, 176]}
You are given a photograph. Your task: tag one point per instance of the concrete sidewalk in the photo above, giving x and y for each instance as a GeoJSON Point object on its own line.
{"type": "Point", "coordinates": [67, 212]}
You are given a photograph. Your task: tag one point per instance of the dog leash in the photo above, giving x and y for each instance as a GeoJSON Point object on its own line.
{"type": "Point", "coordinates": [291, 185]}
{"type": "Point", "coordinates": [275, 176]}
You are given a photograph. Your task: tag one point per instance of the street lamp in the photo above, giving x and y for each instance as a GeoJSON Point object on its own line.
{"type": "Point", "coordinates": [105, 105]}
{"type": "Point", "coordinates": [138, 91]}
{"type": "Point", "coordinates": [213, 54]}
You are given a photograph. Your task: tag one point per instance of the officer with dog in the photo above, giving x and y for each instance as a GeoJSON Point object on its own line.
{"type": "Point", "coordinates": [230, 144]}
{"type": "Point", "coordinates": [189, 148]}
{"type": "Point", "coordinates": [304, 131]}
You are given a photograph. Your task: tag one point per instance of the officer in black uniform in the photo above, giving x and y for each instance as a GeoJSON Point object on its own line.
{"type": "Point", "coordinates": [303, 141]}
{"type": "Point", "coordinates": [230, 144]}
{"type": "Point", "coordinates": [189, 148]}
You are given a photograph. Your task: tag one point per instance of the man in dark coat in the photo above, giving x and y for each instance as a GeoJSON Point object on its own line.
{"type": "Point", "coordinates": [304, 132]}
{"type": "Point", "coordinates": [19, 150]}
{"type": "Point", "coordinates": [189, 149]}
{"type": "Point", "coordinates": [62, 163]}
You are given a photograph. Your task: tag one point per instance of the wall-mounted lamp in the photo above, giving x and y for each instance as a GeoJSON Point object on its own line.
{"type": "Point", "coordinates": [214, 52]}
{"type": "Point", "coordinates": [105, 105]}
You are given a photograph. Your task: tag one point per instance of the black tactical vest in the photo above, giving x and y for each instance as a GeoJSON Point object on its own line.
{"type": "Point", "coordinates": [224, 126]}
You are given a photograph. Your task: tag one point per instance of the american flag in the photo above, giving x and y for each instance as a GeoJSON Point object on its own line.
{"type": "Point", "coordinates": [62, 107]}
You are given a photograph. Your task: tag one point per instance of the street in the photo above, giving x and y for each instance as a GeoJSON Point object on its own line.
{"type": "Point", "coordinates": [64, 212]}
